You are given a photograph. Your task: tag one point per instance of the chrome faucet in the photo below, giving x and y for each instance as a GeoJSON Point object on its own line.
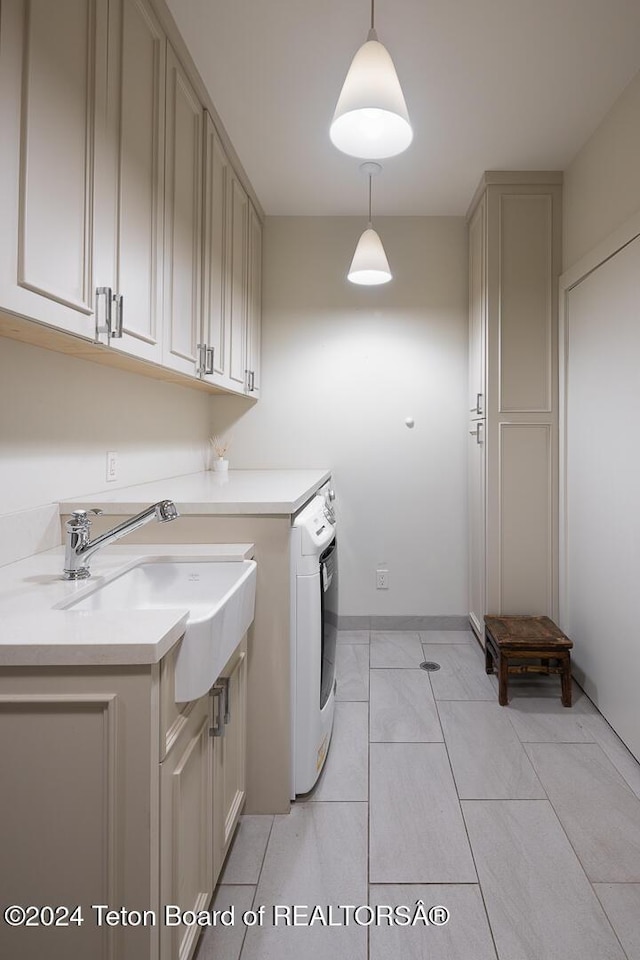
{"type": "Point", "coordinates": [79, 548]}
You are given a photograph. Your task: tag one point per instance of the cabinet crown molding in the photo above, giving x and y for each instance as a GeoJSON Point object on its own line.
{"type": "Point", "coordinates": [513, 178]}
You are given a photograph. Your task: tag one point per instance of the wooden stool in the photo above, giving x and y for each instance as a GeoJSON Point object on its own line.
{"type": "Point", "coordinates": [527, 638]}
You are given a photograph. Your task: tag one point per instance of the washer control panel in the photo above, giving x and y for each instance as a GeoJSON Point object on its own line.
{"type": "Point", "coordinates": [316, 523]}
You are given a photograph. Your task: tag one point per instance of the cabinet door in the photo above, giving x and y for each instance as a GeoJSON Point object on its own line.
{"type": "Point", "coordinates": [477, 313]}
{"type": "Point", "coordinates": [238, 249]}
{"type": "Point", "coordinates": [52, 71]}
{"type": "Point", "coordinates": [183, 208]}
{"type": "Point", "coordinates": [217, 259]}
{"type": "Point", "coordinates": [229, 759]}
{"type": "Point", "coordinates": [185, 829]}
{"type": "Point", "coordinates": [131, 182]}
{"type": "Point", "coordinates": [254, 304]}
{"type": "Point", "coordinates": [477, 520]}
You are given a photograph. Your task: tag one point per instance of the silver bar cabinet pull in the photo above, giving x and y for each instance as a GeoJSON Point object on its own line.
{"type": "Point", "coordinates": [103, 316]}
{"type": "Point", "coordinates": [201, 357]}
{"type": "Point", "coordinates": [479, 405]}
{"type": "Point", "coordinates": [116, 332]}
{"type": "Point", "coordinates": [208, 360]}
{"type": "Point", "coordinates": [477, 433]}
{"type": "Point", "coordinates": [217, 729]}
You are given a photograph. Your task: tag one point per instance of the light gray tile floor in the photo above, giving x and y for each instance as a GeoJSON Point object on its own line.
{"type": "Point", "coordinates": [316, 856]}
{"type": "Point", "coordinates": [416, 832]}
{"type": "Point", "coordinates": [621, 902]}
{"type": "Point", "coordinates": [352, 671]}
{"type": "Point", "coordinates": [465, 936]}
{"type": "Point", "coordinates": [543, 720]}
{"type": "Point", "coordinates": [345, 773]}
{"type": "Point", "coordinates": [488, 760]}
{"type": "Point", "coordinates": [395, 649]}
{"type": "Point", "coordinates": [531, 898]}
{"type": "Point", "coordinates": [222, 942]}
{"type": "Point", "coordinates": [461, 675]}
{"type": "Point", "coordinates": [597, 808]}
{"type": "Point", "coordinates": [402, 707]}
{"type": "Point", "coordinates": [244, 860]}
{"type": "Point", "coordinates": [624, 762]}
{"type": "Point", "coordinates": [540, 904]}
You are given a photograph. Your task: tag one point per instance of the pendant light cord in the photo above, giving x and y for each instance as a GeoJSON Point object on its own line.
{"type": "Point", "coordinates": [369, 199]}
{"type": "Point", "coordinates": [372, 25]}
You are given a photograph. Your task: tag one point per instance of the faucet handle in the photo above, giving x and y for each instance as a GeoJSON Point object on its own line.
{"type": "Point", "coordinates": [81, 518]}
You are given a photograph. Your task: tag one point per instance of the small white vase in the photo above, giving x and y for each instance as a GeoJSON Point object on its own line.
{"type": "Point", "coordinates": [220, 465]}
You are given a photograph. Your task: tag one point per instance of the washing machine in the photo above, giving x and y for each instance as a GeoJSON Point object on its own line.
{"type": "Point", "coordinates": [314, 622]}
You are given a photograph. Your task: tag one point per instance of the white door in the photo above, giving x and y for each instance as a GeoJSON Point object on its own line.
{"type": "Point", "coordinates": [602, 546]}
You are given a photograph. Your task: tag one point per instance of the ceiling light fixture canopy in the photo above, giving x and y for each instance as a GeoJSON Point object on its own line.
{"type": "Point", "coordinates": [369, 266]}
{"type": "Point", "coordinates": [371, 118]}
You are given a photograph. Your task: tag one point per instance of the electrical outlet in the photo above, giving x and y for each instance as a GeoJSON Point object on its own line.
{"type": "Point", "coordinates": [382, 579]}
{"type": "Point", "coordinates": [112, 465]}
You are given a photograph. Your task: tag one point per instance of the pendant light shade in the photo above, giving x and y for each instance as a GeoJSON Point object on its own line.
{"type": "Point", "coordinates": [369, 265]}
{"type": "Point", "coordinates": [371, 118]}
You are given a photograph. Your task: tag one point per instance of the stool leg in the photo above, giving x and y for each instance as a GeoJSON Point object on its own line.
{"type": "Point", "coordinates": [565, 680]}
{"type": "Point", "coordinates": [503, 680]}
{"type": "Point", "coordinates": [544, 663]}
{"type": "Point", "coordinates": [488, 657]}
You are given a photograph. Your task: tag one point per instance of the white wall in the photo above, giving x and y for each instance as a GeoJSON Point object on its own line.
{"type": "Point", "coordinates": [602, 184]}
{"type": "Point", "coordinates": [59, 415]}
{"type": "Point", "coordinates": [343, 366]}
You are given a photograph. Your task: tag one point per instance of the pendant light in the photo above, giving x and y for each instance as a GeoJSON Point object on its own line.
{"type": "Point", "coordinates": [369, 266]}
{"type": "Point", "coordinates": [371, 119]}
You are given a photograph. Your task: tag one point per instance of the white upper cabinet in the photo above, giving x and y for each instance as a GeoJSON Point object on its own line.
{"type": "Point", "coordinates": [183, 220]}
{"type": "Point", "coordinates": [52, 66]}
{"type": "Point", "coordinates": [123, 221]}
{"type": "Point", "coordinates": [231, 276]}
{"type": "Point", "coordinates": [130, 208]}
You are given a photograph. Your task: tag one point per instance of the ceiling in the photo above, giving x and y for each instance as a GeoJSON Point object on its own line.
{"type": "Point", "coordinates": [489, 85]}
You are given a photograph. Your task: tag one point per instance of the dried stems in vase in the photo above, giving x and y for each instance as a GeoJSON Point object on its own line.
{"type": "Point", "coordinates": [220, 445]}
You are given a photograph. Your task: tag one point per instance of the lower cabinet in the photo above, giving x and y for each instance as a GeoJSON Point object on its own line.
{"type": "Point", "coordinates": [118, 801]}
{"type": "Point", "coordinates": [202, 792]}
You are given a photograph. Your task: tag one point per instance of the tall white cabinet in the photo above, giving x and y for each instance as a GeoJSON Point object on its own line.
{"type": "Point", "coordinates": [515, 262]}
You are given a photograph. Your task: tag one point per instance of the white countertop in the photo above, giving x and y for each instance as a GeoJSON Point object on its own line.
{"type": "Point", "coordinates": [248, 492]}
{"type": "Point", "coordinates": [33, 633]}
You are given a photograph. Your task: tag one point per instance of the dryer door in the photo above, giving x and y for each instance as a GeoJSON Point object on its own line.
{"type": "Point", "coordinates": [329, 607]}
